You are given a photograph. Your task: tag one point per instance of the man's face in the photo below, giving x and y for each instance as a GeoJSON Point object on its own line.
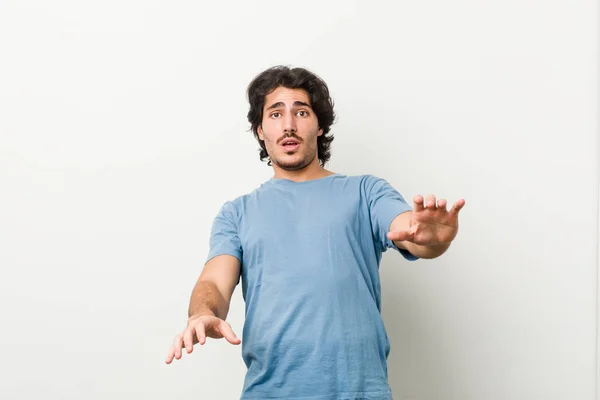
{"type": "Point", "coordinates": [289, 129]}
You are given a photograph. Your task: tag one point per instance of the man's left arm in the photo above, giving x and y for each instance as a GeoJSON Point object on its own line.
{"type": "Point", "coordinates": [428, 230]}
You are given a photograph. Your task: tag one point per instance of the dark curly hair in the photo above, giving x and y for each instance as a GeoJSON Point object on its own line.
{"type": "Point", "coordinates": [292, 78]}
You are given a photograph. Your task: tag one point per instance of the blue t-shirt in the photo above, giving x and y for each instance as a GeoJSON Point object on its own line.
{"type": "Point", "coordinates": [310, 254]}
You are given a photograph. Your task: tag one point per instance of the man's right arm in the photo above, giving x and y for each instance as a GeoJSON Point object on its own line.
{"type": "Point", "coordinates": [214, 288]}
{"type": "Point", "coordinates": [209, 305]}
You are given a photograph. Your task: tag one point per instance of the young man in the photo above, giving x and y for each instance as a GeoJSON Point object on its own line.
{"type": "Point", "coordinates": [307, 244]}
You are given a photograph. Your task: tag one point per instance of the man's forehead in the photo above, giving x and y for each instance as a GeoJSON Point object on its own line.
{"type": "Point", "coordinates": [287, 96]}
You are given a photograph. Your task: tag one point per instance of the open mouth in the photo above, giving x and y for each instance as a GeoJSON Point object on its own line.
{"type": "Point", "coordinates": [290, 144]}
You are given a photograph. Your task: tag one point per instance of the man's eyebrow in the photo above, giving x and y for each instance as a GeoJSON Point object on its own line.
{"type": "Point", "coordinates": [281, 104]}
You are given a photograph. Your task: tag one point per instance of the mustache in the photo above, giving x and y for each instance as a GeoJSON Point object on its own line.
{"type": "Point", "coordinates": [290, 136]}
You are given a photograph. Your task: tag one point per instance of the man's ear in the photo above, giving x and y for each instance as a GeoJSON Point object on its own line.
{"type": "Point", "coordinates": [320, 132]}
{"type": "Point", "coordinates": [260, 133]}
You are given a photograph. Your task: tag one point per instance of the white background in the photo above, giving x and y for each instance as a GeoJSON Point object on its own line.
{"type": "Point", "coordinates": [123, 129]}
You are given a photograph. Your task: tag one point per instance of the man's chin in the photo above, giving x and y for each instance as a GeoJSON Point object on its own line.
{"type": "Point", "coordinates": [291, 165]}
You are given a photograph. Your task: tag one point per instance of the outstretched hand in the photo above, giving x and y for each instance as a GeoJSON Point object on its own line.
{"type": "Point", "coordinates": [430, 224]}
{"type": "Point", "coordinates": [199, 328]}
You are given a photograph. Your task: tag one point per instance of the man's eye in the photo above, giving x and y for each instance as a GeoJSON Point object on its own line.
{"type": "Point", "coordinates": [303, 113]}
{"type": "Point", "coordinates": [275, 114]}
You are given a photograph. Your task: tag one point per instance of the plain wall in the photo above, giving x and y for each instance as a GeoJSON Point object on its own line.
{"type": "Point", "coordinates": [123, 129]}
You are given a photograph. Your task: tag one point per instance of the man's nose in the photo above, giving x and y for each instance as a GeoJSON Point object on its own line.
{"type": "Point", "coordinates": [289, 123]}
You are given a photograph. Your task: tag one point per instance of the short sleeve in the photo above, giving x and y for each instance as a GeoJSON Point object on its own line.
{"type": "Point", "coordinates": [224, 238]}
{"type": "Point", "coordinates": [385, 204]}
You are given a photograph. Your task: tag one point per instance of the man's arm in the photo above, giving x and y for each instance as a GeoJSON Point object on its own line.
{"type": "Point", "coordinates": [209, 305]}
{"type": "Point", "coordinates": [214, 288]}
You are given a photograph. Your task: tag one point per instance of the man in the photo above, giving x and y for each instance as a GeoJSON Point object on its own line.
{"type": "Point", "coordinates": [307, 244]}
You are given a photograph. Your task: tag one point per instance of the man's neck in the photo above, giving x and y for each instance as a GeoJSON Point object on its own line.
{"type": "Point", "coordinates": [307, 174]}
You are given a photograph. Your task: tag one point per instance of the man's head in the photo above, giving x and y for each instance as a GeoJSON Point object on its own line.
{"type": "Point", "coordinates": [290, 106]}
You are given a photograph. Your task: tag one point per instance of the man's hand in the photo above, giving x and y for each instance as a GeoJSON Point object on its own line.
{"type": "Point", "coordinates": [199, 327]}
{"type": "Point", "coordinates": [430, 224]}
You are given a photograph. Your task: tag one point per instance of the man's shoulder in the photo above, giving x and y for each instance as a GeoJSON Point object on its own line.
{"type": "Point", "coordinates": [363, 177]}
{"type": "Point", "coordinates": [369, 181]}
{"type": "Point", "coordinates": [240, 199]}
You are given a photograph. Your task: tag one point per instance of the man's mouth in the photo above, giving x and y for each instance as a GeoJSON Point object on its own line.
{"type": "Point", "coordinates": [290, 144]}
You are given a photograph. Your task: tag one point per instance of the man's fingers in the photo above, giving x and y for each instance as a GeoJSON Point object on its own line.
{"type": "Point", "coordinates": [431, 202]}
{"type": "Point", "coordinates": [177, 345]}
{"type": "Point", "coordinates": [201, 333]}
{"type": "Point", "coordinates": [170, 355]}
{"type": "Point", "coordinates": [418, 200]}
{"type": "Point", "coordinates": [227, 333]}
{"type": "Point", "coordinates": [441, 204]}
{"type": "Point", "coordinates": [457, 206]}
{"type": "Point", "coordinates": [188, 339]}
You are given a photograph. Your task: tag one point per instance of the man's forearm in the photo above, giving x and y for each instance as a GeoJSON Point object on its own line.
{"type": "Point", "coordinates": [207, 300]}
